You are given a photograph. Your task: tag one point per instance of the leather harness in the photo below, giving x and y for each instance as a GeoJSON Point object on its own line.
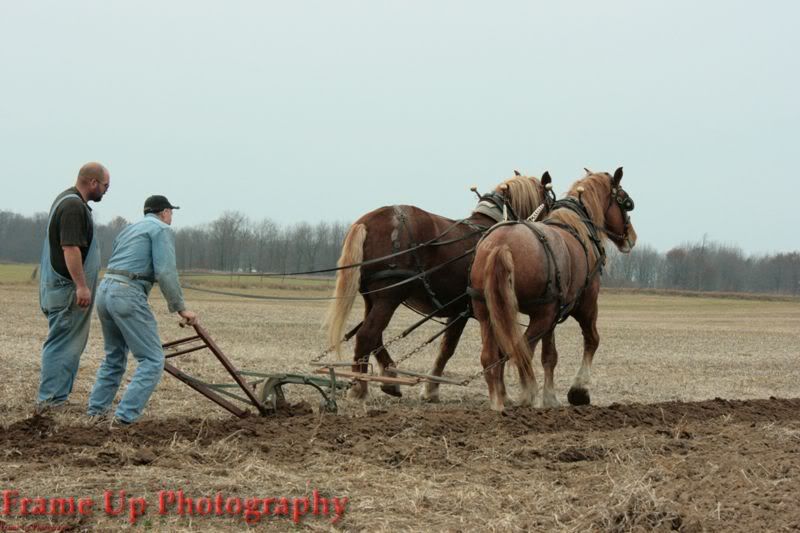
{"type": "Point", "coordinates": [575, 205]}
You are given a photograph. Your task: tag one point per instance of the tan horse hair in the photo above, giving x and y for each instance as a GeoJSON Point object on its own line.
{"type": "Point", "coordinates": [501, 302]}
{"type": "Point", "coordinates": [523, 195]}
{"type": "Point", "coordinates": [348, 281]}
{"type": "Point", "coordinates": [593, 185]}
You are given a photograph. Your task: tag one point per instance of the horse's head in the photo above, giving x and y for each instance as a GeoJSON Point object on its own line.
{"type": "Point", "coordinates": [616, 221]}
{"type": "Point", "coordinates": [524, 194]}
{"type": "Point", "coordinates": [605, 203]}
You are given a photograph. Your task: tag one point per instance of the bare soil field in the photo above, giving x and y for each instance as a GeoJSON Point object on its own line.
{"type": "Point", "coordinates": [695, 426]}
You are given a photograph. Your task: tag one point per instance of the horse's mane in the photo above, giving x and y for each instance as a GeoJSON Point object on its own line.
{"type": "Point", "coordinates": [523, 195]}
{"type": "Point", "coordinates": [596, 188]}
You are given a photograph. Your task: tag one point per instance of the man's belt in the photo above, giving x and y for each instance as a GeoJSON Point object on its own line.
{"type": "Point", "coordinates": [130, 275]}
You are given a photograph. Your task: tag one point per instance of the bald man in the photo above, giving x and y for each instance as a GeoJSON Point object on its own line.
{"type": "Point", "coordinates": [68, 277]}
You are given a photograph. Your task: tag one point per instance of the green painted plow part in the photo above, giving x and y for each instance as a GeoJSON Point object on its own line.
{"type": "Point", "coordinates": [269, 389]}
{"type": "Point", "coordinates": [271, 392]}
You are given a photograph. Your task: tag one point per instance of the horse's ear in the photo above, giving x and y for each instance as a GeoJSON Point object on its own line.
{"type": "Point", "coordinates": [546, 178]}
{"type": "Point", "coordinates": [617, 176]}
{"type": "Point", "coordinates": [516, 173]}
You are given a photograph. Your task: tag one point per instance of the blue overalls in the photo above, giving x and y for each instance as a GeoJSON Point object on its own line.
{"type": "Point", "coordinates": [68, 323]}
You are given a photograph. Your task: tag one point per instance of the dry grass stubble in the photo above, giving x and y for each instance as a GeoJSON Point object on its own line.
{"type": "Point", "coordinates": [417, 472]}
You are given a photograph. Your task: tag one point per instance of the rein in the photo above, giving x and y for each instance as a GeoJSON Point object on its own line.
{"type": "Point", "coordinates": [432, 242]}
{"type": "Point", "coordinates": [409, 276]}
{"type": "Point", "coordinates": [495, 199]}
{"type": "Point", "coordinates": [392, 286]}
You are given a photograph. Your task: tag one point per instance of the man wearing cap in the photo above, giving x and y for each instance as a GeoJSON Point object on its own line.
{"type": "Point", "coordinates": [143, 254]}
{"type": "Point", "coordinates": [68, 272]}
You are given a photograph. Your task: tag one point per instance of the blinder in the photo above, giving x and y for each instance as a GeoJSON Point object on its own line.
{"type": "Point", "coordinates": [549, 199]}
{"type": "Point", "coordinates": [626, 204]}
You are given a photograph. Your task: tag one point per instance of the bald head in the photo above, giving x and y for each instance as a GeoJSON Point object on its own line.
{"type": "Point", "coordinates": [92, 171]}
{"type": "Point", "coordinates": [93, 181]}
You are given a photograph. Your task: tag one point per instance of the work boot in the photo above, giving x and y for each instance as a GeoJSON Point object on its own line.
{"type": "Point", "coordinates": [118, 423]}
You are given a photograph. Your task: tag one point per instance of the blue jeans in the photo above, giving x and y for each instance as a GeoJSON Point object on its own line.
{"type": "Point", "coordinates": [128, 324]}
{"type": "Point", "coordinates": [68, 331]}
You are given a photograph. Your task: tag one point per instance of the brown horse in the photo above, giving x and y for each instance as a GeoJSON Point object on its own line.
{"type": "Point", "coordinates": [432, 254]}
{"type": "Point", "coordinates": [547, 270]}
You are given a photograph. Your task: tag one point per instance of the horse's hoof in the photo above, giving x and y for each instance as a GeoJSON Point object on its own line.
{"type": "Point", "coordinates": [578, 396]}
{"type": "Point", "coordinates": [392, 390]}
{"type": "Point", "coordinates": [498, 408]}
{"type": "Point", "coordinates": [550, 402]}
{"type": "Point", "coordinates": [357, 392]}
{"type": "Point", "coordinates": [525, 401]}
{"type": "Point", "coordinates": [429, 394]}
{"type": "Point", "coordinates": [429, 399]}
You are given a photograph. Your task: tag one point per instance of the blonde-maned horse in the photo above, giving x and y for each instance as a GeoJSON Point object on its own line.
{"type": "Point", "coordinates": [549, 271]}
{"type": "Point", "coordinates": [445, 260]}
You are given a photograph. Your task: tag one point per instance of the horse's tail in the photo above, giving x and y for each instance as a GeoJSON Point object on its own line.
{"type": "Point", "coordinates": [501, 301]}
{"type": "Point", "coordinates": [347, 284]}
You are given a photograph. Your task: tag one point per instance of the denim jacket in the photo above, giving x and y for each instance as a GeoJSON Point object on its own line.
{"type": "Point", "coordinates": [147, 247]}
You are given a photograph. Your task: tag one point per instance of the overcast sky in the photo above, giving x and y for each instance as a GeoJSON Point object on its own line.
{"type": "Point", "coordinates": [326, 110]}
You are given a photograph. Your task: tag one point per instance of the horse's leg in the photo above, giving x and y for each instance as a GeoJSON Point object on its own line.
{"type": "Point", "coordinates": [358, 389]}
{"type": "Point", "coordinates": [385, 361]}
{"type": "Point", "coordinates": [377, 315]}
{"type": "Point", "coordinates": [579, 392]}
{"type": "Point", "coordinates": [490, 355]}
{"type": "Point", "coordinates": [549, 362]}
{"type": "Point", "coordinates": [430, 393]}
{"type": "Point", "coordinates": [535, 329]}
{"type": "Point", "coordinates": [527, 397]}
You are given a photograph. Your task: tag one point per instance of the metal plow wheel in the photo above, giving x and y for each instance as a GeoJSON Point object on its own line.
{"type": "Point", "coordinates": [270, 391]}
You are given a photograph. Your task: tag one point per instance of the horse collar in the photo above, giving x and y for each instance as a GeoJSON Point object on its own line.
{"type": "Point", "coordinates": [577, 206]}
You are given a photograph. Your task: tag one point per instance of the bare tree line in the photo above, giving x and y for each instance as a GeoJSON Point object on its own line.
{"type": "Point", "coordinates": [235, 243]}
{"type": "Point", "coordinates": [704, 266]}
{"type": "Point", "coordinates": [231, 243]}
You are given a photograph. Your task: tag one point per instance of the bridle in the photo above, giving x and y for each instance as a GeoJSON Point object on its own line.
{"type": "Point", "coordinates": [549, 199]}
{"type": "Point", "coordinates": [625, 205]}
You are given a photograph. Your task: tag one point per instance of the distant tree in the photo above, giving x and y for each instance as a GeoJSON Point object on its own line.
{"type": "Point", "coordinates": [107, 234]}
{"type": "Point", "coordinates": [677, 269]}
{"type": "Point", "coordinates": [22, 238]}
{"type": "Point", "coordinates": [267, 235]}
{"type": "Point", "coordinates": [226, 234]}
{"type": "Point", "coordinates": [301, 240]}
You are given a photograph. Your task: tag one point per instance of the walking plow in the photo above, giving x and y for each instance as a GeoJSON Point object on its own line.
{"type": "Point", "coordinates": [264, 392]}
